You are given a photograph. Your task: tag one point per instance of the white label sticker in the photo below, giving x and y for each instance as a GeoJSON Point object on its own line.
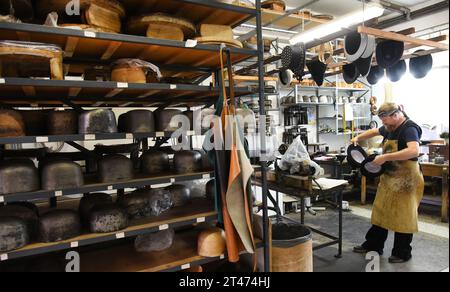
{"type": "Point", "coordinates": [129, 136]}
{"type": "Point", "coordinates": [41, 139]}
{"type": "Point", "coordinates": [74, 244]}
{"type": "Point", "coordinates": [191, 43]}
{"type": "Point", "coordinates": [163, 227]}
{"type": "Point", "coordinates": [205, 176]}
{"type": "Point", "coordinates": [186, 266]}
{"type": "Point", "coordinates": [173, 86]}
{"type": "Point", "coordinates": [222, 256]}
{"type": "Point", "coordinates": [90, 34]}
{"type": "Point", "coordinates": [89, 137]}
{"type": "Point", "coordinates": [191, 133]}
{"type": "Point", "coordinates": [2, 199]}
{"type": "Point", "coordinates": [110, 188]}
{"type": "Point", "coordinates": [3, 257]}
{"type": "Point", "coordinates": [201, 220]}
{"type": "Point", "coordinates": [2, 81]}
{"type": "Point", "coordinates": [122, 85]}
{"type": "Point", "coordinates": [160, 134]}
{"type": "Point", "coordinates": [172, 180]}
{"type": "Point", "coordinates": [58, 194]}
{"type": "Point", "coordinates": [120, 235]}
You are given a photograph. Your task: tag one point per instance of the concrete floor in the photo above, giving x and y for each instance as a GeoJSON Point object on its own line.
{"type": "Point", "coordinates": [430, 247]}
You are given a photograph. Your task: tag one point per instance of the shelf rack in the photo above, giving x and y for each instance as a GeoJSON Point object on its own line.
{"type": "Point", "coordinates": [186, 61]}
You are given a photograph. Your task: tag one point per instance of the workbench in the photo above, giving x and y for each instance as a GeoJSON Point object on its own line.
{"type": "Point", "coordinates": [328, 189]}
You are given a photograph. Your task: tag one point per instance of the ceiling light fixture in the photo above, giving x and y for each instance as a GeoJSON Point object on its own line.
{"type": "Point", "coordinates": [371, 11]}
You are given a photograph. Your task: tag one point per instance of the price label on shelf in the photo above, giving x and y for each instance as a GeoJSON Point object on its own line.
{"type": "Point", "coordinates": [190, 133]}
{"type": "Point", "coordinates": [2, 81]}
{"type": "Point", "coordinates": [173, 86]}
{"type": "Point", "coordinates": [41, 139]}
{"type": "Point", "coordinates": [90, 34]}
{"type": "Point", "coordinates": [129, 136]}
{"type": "Point", "coordinates": [2, 199]}
{"type": "Point", "coordinates": [163, 227]}
{"type": "Point", "coordinates": [201, 220]}
{"type": "Point", "coordinates": [222, 256]}
{"type": "Point", "coordinates": [186, 266]}
{"type": "Point", "coordinates": [191, 43]}
{"type": "Point", "coordinates": [172, 180]}
{"type": "Point", "coordinates": [74, 244]}
{"type": "Point", "coordinates": [206, 176]}
{"type": "Point", "coordinates": [120, 235]}
{"type": "Point", "coordinates": [122, 85]}
{"type": "Point", "coordinates": [110, 188]}
{"type": "Point", "coordinates": [89, 137]}
{"type": "Point", "coordinates": [160, 134]}
{"type": "Point", "coordinates": [3, 257]}
{"type": "Point", "coordinates": [58, 194]}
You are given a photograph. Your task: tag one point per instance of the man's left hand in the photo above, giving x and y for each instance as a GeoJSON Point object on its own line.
{"type": "Point", "coordinates": [380, 160]}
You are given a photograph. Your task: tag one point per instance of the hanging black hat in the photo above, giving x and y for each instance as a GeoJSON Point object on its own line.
{"type": "Point", "coordinates": [420, 66]}
{"type": "Point", "coordinates": [364, 65]}
{"type": "Point", "coordinates": [396, 72]}
{"type": "Point", "coordinates": [370, 169]}
{"type": "Point", "coordinates": [389, 53]}
{"type": "Point", "coordinates": [317, 70]}
{"type": "Point", "coordinates": [351, 73]}
{"type": "Point", "coordinates": [294, 58]}
{"type": "Point", "coordinates": [356, 155]}
{"type": "Point", "coordinates": [286, 76]}
{"type": "Point", "coordinates": [358, 46]}
{"type": "Point", "coordinates": [375, 75]}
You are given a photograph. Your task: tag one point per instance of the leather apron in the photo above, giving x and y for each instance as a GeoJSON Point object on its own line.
{"type": "Point", "coordinates": [399, 195]}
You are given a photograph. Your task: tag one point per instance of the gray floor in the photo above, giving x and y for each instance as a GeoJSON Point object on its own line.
{"type": "Point", "coordinates": [430, 253]}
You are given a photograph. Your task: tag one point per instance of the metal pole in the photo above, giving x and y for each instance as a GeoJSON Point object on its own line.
{"type": "Point", "coordinates": [262, 113]}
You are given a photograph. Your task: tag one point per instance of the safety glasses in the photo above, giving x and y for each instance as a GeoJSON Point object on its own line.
{"type": "Point", "coordinates": [383, 115]}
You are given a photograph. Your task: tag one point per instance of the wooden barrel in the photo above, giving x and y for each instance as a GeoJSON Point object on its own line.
{"type": "Point", "coordinates": [292, 249]}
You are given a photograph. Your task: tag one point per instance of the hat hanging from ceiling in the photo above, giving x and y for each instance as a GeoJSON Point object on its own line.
{"type": "Point", "coordinates": [364, 65]}
{"type": "Point", "coordinates": [389, 53]}
{"type": "Point", "coordinates": [396, 72]}
{"type": "Point", "coordinates": [358, 45]}
{"type": "Point", "coordinates": [356, 155]}
{"type": "Point", "coordinates": [286, 76]}
{"type": "Point", "coordinates": [351, 73]}
{"type": "Point", "coordinates": [294, 58]}
{"type": "Point", "coordinates": [371, 170]}
{"type": "Point", "coordinates": [317, 70]}
{"type": "Point", "coordinates": [375, 75]}
{"type": "Point", "coordinates": [420, 66]}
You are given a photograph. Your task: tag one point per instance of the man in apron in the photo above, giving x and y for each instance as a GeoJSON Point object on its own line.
{"type": "Point", "coordinates": [401, 187]}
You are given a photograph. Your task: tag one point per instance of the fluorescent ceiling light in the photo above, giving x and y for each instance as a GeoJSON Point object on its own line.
{"type": "Point", "coordinates": [370, 11]}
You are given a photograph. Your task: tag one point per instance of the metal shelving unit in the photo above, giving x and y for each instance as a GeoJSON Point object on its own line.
{"type": "Point", "coordinates": [188, 60]}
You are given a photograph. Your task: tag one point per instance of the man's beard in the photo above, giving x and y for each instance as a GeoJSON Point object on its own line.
{"type": "Point", "coordinates": [390, 128]}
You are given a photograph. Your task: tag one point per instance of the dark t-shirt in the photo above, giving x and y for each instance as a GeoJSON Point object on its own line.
{"type": "Point", "coordinates": [408, 132]}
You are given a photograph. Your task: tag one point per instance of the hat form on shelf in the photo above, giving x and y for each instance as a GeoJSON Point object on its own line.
{"type": "Point", "coordinates": [389, 52]}
{"type": "Point", "coordinates": [214, 34]}
{"type": "Point", "coordinates": [420, 66]}
{"type": "Point", "coordinates": [397, 71]}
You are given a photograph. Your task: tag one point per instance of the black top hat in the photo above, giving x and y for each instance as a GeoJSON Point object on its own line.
{"type": "Point", "coordinates": [356, 155]}
{"type": "Point", "coordinates": [389, 53]}
{"type": "Point", "coordinates": [364, 65]}
{"type": "Point", "coordinates": [420, 66]}
{"type": "Point", "coordinates": [370, 169]}
{"type": "Point", "coordinates": [375, 75]}
{"type": "Point", "coordinates": [358, 46]}
{"type": "Point", "coordinates": [317, 70]}
{"type": "Point", "coordinates": [351, 73]}
{"type": "Point", "coordinates": [396, 72]}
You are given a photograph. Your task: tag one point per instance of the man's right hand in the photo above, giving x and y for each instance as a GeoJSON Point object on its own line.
{"type": "Point", "coordinates": [355, 141]}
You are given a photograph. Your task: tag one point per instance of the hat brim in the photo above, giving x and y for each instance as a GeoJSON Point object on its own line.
{"type": "Point", "coordinates": [389, 53]}
{"type": "Point", "coordinates": [317, 70]}
{"type": "Point", "coordinates": [350, 73]}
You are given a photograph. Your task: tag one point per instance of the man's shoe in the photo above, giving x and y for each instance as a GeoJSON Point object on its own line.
{"type": "Point", "coordinates": [362, 250]}
{"type": "Point", "coordinates": [397, 260]}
